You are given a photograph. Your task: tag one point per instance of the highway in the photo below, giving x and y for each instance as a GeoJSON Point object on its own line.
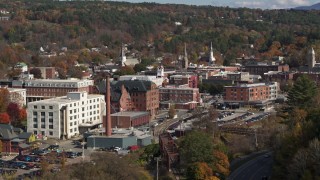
{"type": "Point", "coordinates": [258, 168]}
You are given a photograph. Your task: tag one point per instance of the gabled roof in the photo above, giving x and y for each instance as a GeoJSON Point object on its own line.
{"type": "Point", "coordinates": [7, 132]}
{"type": "Point", "coordinates": [130, 85]}
{"type": "Point", "coordinates": [25, 135]}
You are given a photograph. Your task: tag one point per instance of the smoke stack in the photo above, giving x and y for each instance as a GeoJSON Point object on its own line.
{"type": "Point", "coordinates": [108, 112]}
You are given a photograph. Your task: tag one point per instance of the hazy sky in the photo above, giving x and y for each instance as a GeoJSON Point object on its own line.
{"type": "Point", "coordinates": [264, 4]}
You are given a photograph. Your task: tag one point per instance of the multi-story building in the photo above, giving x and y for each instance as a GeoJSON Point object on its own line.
{"type": "Point", "coordinates": [238, 76]}
{"type": "Point", "coordinates": [39, 89]}
{"type": "Point", "coordinates": [144, 95]}
{"type": "Point", "coordinates": [260, 69]}
{"type": "Point", "coordinates": [61, 117]}
{"type": "Point", "coordinates": [120, 99]}
{"type": "Point", "coordinates": [182, 97]}
{"type": "Point", "coordinates": [157, 80]}
{"type": "Point", "coordinates": [251, 94]}
{"type": "Point", "coordinates": [190, 80]}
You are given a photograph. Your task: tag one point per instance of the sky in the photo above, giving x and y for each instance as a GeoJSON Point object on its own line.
{"type": "Point", "coordinates": [263, 4]}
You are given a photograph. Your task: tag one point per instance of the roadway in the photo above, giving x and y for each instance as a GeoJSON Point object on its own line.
{"type": "Point", "coordinates": [255, 169]}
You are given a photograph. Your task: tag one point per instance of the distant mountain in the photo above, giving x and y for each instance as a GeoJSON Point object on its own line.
{"type": "Point", "coordinates": [307, 8]}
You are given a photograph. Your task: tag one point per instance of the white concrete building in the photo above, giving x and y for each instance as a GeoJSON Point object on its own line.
{"type": "Point", "coordinates": [61, 117]}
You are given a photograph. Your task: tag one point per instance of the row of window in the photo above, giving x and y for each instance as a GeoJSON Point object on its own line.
{"type": "Point", "coordinates": [43, 133]}
{"type": "Point", "coordinates": [42, 107]}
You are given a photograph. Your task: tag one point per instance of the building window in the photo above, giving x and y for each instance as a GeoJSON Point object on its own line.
{"type": "Point", "coordinates": [70, 130]}
{"type": "Point", "coordinates": [75, 129]}
{"type": "Point", "coordinates": [50, 126]}
{"type": "Point", "coordinates": [83, 109]}
{"type": "Point", "coordinates": [35, 125]}
{"type": "Point", "coordinates": [71, 124]}
{"type": "Point", "coordinates": [50, 133]}
{"type": "Point", "coordinates": [35, 132]}
{"type": "Point", "coordinates": [43, 133]}
{"type": "Point", "coordinates": [75, 117]}
{"type": "Point", "coordinates": [74, 110]}
{"type": "Point", "coordinates": [35, 113]}
{"type": "Point", "coordinates": [71, 117]}
{"type": "Point", "coordinates": [42, 107]}
{"type": "Point", "coordinates": [35, 107]}
{"type": "Point", "coordinates": [50, 107]}
{"type": "Point", "coordinates": [75, 123]}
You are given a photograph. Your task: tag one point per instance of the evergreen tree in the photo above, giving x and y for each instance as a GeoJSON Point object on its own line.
{"type": "Point", "coordinates": [302, 92]}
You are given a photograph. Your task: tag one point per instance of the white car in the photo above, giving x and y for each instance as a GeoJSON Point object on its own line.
{"type": "Point", "coordinates": [117, 149]}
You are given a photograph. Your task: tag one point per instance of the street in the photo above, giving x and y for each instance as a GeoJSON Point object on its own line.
{"type": "Point", "coordinates": [257, 168]}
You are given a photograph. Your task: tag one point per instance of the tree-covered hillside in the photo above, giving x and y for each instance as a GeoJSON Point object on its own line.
{"type": "Point", "coordinates": [80, 24]}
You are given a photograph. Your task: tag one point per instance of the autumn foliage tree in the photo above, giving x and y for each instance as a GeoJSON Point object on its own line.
{"type": "Point", "coordinates": [4, 118]}
{"type": "Point", "coordinates": [13, 111]}
{"type": "Point", "coordinates": [4, 99]}
{"type": "Point", "coordinates": [200, 171]}
{"type": "Point", "coordinates": [221, 163]}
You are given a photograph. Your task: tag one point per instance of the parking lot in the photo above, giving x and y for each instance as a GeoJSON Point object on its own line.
{"type": "Point", "coordinates": [29, 165]}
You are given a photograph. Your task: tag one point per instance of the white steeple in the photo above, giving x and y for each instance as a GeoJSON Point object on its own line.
{"type": "Point", "coordinates": [160, 71]}
{"type": "Point", "coordinates": [212, 59]}
{"type": "Point", "coordinates": [185, 58]}
{"type": "Point", "coordinates": [123, 57]}
{"type": "Point", "coordinates": [311, 58]}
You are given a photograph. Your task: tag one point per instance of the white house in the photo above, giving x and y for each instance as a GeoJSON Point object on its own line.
{"type": "Point", "coordinates": [61, 117]}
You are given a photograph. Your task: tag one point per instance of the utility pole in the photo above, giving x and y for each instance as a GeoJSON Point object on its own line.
{"type": "Point", "coordinates": [255, 136]}
{"type": "Point", "coordinates": [82, 151]}
{"type": "Point", "coordinates": [158, 159]}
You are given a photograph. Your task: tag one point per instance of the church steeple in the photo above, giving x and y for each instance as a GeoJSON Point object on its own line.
{"type": "Point", "coordinates": [123, 57]}
{"type": "Point", "coordinates": [212, 59]}
{"type": "Point", "coordinates": [185, 57]}
{"type": "Point", "coordinates": [311, 59]}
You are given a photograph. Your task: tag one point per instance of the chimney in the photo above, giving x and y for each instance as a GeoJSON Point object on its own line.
{"type": "Point", "coordinates": [108, 117]}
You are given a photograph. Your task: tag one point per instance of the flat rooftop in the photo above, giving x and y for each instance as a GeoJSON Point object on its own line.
{"type": "Point", "coordinates": [130, 113]}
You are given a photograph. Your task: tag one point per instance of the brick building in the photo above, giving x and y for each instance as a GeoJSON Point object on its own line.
{"type": "Point", "coordinates": [190, 80]}
{"type": "Point", "coordinates": [127, 119]}
{"type": "Point", "coordinates": [251, 94]}
{"type": "Point", "coordinates": [39, 89]}
{"type": "Point", "coordinates": [260, 69]}
{"type": "Point", "coordinates": [134, 95]}
{"type": "Point", "coordinates": [182, 97]}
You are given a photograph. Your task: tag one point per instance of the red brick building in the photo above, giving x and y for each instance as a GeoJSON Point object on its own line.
{"type": "Point", "coordinates": [260, 69]}
{"type": "Point", "coordinates": [127, 119]}
{"type": "Point", "coordinates": [258, 93]}
{"type": "Point", "coordinates": [135, 95]}
{"type": "Point", "coordinates": [120, 100]}
{"type": "Point", "coordinates": [39, 89]}
{"type": "Point", "coordinates": [182, 97]}
{"type": "Point", "coordinates": [190, 80]}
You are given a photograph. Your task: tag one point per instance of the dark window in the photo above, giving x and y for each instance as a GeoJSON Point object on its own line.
{"type": "Point", "coordinates": [50, 133]}
{"type": "Point", "coordinates": [35, 125]}
{"type": "Point", "coordinates": [50, 107]}
{"type": "Point", "coordinates": [50, 126]}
